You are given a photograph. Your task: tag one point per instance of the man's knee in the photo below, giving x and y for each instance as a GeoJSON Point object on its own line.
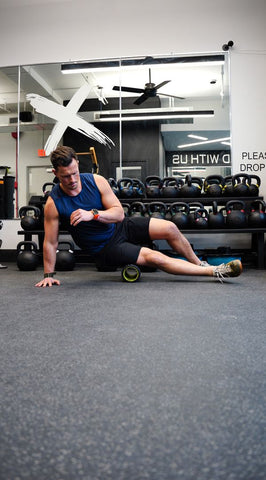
{"type": "Point", "coordinates": [172, 230]}
{"type": "Point", "coordinates": [163, 229]}
{"type": "Point", "coordinates": [151, 257]}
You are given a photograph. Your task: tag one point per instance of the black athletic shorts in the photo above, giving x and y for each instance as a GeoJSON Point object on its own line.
{"type": "Point", "coordinates": [124, 247]}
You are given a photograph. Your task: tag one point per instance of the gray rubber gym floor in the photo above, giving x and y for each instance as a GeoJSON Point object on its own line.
{"type": "Point", "coordinates": [163, 379]}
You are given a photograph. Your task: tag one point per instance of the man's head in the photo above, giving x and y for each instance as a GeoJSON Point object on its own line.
{"type": "Point", "coordinates": [66, 169]}
{"type": "Point", "coordinates": [62, 157]}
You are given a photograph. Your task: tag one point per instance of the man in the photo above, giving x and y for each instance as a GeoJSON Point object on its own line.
{"type": "Point", "coordinates": [86, 206]}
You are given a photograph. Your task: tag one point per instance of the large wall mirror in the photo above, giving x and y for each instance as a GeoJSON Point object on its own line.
{"type": "Point", "coordinates": [164, 116]}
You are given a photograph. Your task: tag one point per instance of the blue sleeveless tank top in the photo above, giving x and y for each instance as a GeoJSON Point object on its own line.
{"type": "Point", "coordinates": [91, 236]}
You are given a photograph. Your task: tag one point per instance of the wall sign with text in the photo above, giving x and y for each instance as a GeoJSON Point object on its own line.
{"type": "Point", "coordinates": [252, 162]}
{"type": "Point", "coordinates": [198, 159]}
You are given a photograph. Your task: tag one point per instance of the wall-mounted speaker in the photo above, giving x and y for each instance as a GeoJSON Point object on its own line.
{"type": "Point", "coordinates": [26, 116]}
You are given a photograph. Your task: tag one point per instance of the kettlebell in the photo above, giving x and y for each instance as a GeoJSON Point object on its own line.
{"type": "Point", "coordinates": [216, 218]}
{"type": "Point", "coordinates": [168, 215]}
{"type": "Point", "coordinates": [46, 190]}
{"type": "Point", "coordinates": [157, 209]}
{"type": "Point", "coordinates": [113, 184]}
{"type": "Point", "coordinates": [27, 256]}
{"type": "Point", "coordinates": [30, 217]}
{"type": "Point", "coordinates": [125, 186]}
{"type": "Point", "coordinates": [192, 187]}
{"type": "Point", "coordinates": [171, 187]}
{"type": "Point", "coordinates": [228, 190]}
{"type": "Point", "coordinates": [201, 218]}
{"type": "Point", "coordinates": [241, 182]}
{"type": "Point", "coordinates": [126, 208]}
{"type": "Point", "coordinates": [179, 214]}
{"type": "Point", "coordinates": [213, 185]}
{"type": "Point", "coordinates": [254, 185]}
{"type": "Point", "coordinates": [137, 209]}
{"type": "Point", "coordinates": [153, 185]}
{"type": "Point", "coordinates": [65, 258]}
{"type": "Point", "coordinates": [192, 207]}
{"type": "Point", "coordinates": [257, 215]}
{"type": "Point", "coordinates": [138, 188]}
{"type": "Point", "coordinates": [235, 214]}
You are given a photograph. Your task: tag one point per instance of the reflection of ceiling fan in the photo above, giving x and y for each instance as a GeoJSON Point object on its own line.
{"type": "Point", "coordinates": [150, 90]}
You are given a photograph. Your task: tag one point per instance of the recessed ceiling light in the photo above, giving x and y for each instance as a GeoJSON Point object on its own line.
{"type": "Point", "coordinates": [204, 142]}
{"type": "Point", "coordinates": [198, 137]}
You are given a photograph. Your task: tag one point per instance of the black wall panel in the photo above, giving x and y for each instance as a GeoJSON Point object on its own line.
{"type": "Point", "coordinates": [140, 142]}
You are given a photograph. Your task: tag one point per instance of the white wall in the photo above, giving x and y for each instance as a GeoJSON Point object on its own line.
{"type": "Point", "coordinates": [43, 31]}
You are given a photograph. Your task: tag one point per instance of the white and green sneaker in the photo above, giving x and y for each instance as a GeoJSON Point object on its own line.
{"type": "Point", "coordinates": [230, 269]}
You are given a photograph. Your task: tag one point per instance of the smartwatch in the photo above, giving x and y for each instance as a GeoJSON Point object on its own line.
{"type": "Point", "coordinates": [95, 213]}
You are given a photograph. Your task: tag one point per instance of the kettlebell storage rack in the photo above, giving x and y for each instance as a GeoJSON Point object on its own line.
{"type": "Point", "coordinates": [203, 198]}
{"type": "Point", "coordinates": [257, 240]}
{"type": "Point", "coordinates": [257, 234]}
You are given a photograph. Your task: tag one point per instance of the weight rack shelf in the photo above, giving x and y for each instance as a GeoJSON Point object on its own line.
{"type": "Point", "coordinates": [257, 238]}
{"type": "Point", "coordinates": [204, 199]}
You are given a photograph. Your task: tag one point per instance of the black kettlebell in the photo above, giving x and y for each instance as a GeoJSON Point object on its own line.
{"type": "Point", "coordinates": [168, 215]}
{"type": "Point", "coordinates": [153, 185]}
{"type": "Point", "coordinates": [171, 187]}
{"type": "Point", "coordinates": [216, 218]}
{"type": "Point", "coordinates": [46, 190]}
{"type": "Point", "coordinates": [157, 210]}
{"type": "Point", "coordinates": [137, 209]}
{"type": "Point", "coordinates": [179, 214]}
{"type": "Point", "coordinates": [113, 184]}
{"type": "Point", "coordinates": [125, 186]}
{"type": "Point", "coordinates": [30, 217]}
{"type": "Point", "coordinates": [126, 208]}
{"type": "Point", "coordinates": [201, 218]}
{"type": "Point", "coordinates": [241, 182]}
{"type": "Point", "coordinates": [213, 185]}
{"type": "Point", "coordinates": [254, 186]}
{"type": "Point", "coordinates": [235, 214]}
{"type": "Point", "coordinates": [65, 258]}
{"type": "Point", "coordinates": [228, 190]}
{"type": "Point", "coordinates": [192, 208]}
{"type": "Point", "coordinates": [27, 256]}
{"type": "Point", "coordinates": [192, 187]}
{"type": "Point", "coordinates": [138, 188]}
{"type": "Point", "coordinates": [257, 215]}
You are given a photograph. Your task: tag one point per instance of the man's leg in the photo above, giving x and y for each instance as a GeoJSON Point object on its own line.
{"type": "Point", "coordinates": [166, 230]}
{"type": "Point", "coordinates": [153, 258]}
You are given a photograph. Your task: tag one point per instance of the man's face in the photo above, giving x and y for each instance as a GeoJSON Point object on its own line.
{"type": "Point", "coordinates": [68, 176]}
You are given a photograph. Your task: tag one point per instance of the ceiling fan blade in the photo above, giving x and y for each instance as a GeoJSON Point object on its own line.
{"type": "Point", "coordinates": [128, 89]}
{"type": "Point", "coordinates": [169, 95]}
{"type": "Point", "coordinates": [162, 84]}
{"type": "Point", "coordinates": [141, 99]}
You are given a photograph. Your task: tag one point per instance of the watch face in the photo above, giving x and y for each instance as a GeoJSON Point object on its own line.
{"type": "Point", "coordinates": [95, 213]}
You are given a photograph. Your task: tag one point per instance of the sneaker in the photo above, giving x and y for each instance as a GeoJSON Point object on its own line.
{"type": "Point", "coordinates": [230, 269]}
{"type": "Point", "coordinates": [204, 264]}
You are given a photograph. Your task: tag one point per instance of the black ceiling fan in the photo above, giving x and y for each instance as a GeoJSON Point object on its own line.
{"type": "Point", "coordinates": [150, 90]}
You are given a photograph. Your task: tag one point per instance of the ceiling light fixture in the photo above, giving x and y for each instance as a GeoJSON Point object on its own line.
{"type": "Point", "coordinates": [204, 143]}
{"type": "Point", "coordinates": [198, 137]}
{"type": "Point", "coordinates": [83, 67]}
{"type": "Point", "coordinates": [149, 114]}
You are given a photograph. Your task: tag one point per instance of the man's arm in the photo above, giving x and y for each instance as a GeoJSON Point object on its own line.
{"type": "Point", "coordinates": [51, 228]}
{"type": "Point", "coordinates": [113, 211]}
